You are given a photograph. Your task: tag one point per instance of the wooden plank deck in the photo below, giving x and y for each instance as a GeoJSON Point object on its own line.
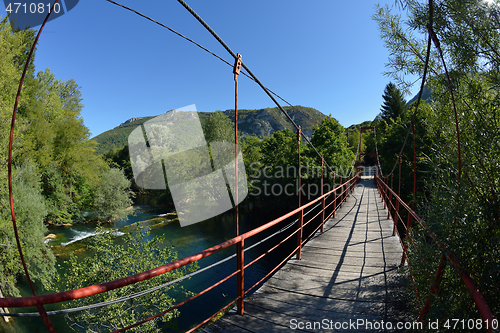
{"type": "Point", "coordinates": [347, 274]}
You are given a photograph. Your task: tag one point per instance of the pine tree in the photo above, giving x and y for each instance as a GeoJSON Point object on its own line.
{"type": "Point", "coordinates": [394, 104]}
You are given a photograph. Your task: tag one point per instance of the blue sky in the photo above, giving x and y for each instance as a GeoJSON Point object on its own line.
{"type": "Point", "coordinates": [325, 54]}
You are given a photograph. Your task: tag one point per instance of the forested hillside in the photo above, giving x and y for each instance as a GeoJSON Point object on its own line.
{"type": "Point", "coordinates": [262, 122]}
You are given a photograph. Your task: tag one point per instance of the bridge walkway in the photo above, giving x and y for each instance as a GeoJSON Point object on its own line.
{"type": "Point", "coordinates": [347, 274]}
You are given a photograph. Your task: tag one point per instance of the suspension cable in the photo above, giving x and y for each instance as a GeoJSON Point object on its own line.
{"type": "Point", "coordinates": [426, 66]}
{"type": "Point", "coordinates": [203, 48]}
{"type": "Point", "coordinates": [214, 34]}
{"type": "Point", "coordinates": [252, 76]}
{"type": "Point", "coordinates": [40, 308]}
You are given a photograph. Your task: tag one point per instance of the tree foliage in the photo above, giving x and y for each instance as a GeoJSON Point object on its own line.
{"type": "Point", "coordinates": [28, 200]}
{"type": "Point", "coordinates": [463, 214]}
{"type": "Point", "coordinates": [112, 196]}
{"type": "Point", "coordinates": [330, 140]}
{"type": "Point", "coordinates": [115, 258]}
{"type": "Point", "coordinates": [30, 212]}
{"type": "Point", "coordinates": [56, 173]}
{"type": "Point", "coordinates": [218, 128]}
{"type": "Point", "coordinates": [280, 149]}
{"type": "Point", "coordinates": [394, 104]}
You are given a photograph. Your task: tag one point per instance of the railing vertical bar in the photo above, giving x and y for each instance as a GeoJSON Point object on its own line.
{"type": "Point", "coordinates": [241, 275]}
{"type": "Point", "coordinates": [301, 213]}
{"type": "Point", "coordinates": [322, 200]}
{"type": "Point", "coordinates": [334, 197]}
{"type": "Point", "coordinates": [389, 201]}
{"type": "Point", "coordinates": [341, 191]}
{"type": "Point", "coordinates": [236, 72]}
{"type": "Point", "coordinates": [435, 285]}
{"type": "Point", "coordinates": [396, 209]}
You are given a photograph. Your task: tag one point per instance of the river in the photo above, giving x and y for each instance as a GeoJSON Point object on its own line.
{"type": "Point", "coordinates": [186, 241]}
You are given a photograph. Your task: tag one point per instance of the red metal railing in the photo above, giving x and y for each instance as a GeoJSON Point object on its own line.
{"type": "Point", "coordinates": [345, 189]}
{"type": "Point", "coordinates": [393, 202]}
{"type": "Point", "coordinates": [336, 197]}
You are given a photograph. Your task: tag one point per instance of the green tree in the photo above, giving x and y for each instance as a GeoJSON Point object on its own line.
{"type": "Point", "coordinates": [330, 140]}
{"type": "Point", "coordinates": [464, 215]}
{"type": "Point", "coordinates": [394, 104]}
{"type": "Point", "coordinates": [30, 212]}
{"type": "Point", "coordinates": [112, 195]}
{"type": "Point", "coordinates": [218, 128]}
{"type": "Point", "coordinates": [353, 139]}
{"type": "Point", "coordinates": [14, 47]}
{"type": "Point", "coordinates": [280, 149]}
{"type": "Point", "coordinates": [252, 155]}
{"type": "Point", "coordinates": [120, 158]}
{"type": "Point", "coordinates": [115, 258]}
{"type": "Point", "coordinates": [57, 200]}
{"type": "Point", "coordinates": [57, 140]}
{"type": "Point", "coordinates": [28, 200]}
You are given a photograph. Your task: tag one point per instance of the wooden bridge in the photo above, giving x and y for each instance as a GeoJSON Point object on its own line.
{"type": "Point", "coordinates": [347, 274]}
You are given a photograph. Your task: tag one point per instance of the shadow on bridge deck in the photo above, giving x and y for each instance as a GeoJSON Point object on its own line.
{"type": "Point", "coordinates": [348, 274]}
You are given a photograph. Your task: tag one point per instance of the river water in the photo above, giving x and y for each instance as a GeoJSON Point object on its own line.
{"type": "Point", "coordinates": [186, 241]}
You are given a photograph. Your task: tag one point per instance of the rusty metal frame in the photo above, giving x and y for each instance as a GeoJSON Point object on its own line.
{"type": "Point", "coordinates": [478, 298]}
{"type": "Point", "coordinates": [348, 186]}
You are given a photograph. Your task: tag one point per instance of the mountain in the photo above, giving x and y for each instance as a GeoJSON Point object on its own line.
{"type": "Point", "coordinates": [355, 127]}
{"type": "Point", "coordinates": [262, 122]}
{"type": "Point", "coordinates": [426, 96]}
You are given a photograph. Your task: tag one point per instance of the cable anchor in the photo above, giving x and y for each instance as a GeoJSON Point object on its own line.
{"type": "Point", "coordinates": [237, 66]}
{"type": "Point", "coordinates": [434, 37]}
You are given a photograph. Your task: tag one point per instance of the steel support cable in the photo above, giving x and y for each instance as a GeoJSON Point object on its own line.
{"type": "Point", "coordinates": [232, 256]}
{"type": "Point", "coordinates": [201, 47]}
{"type": "Point", "coordinates": [252, 77]}
{"type": "Point", "coordinates": [385, 199]}
{"type": "Point", "coordinates": [153, 289]}
{"type": "Point", "coordinates": [426, 67]}
{"type": "Point", "coordinates": [416, 107]}
{"type": "Point", "coordinates": [443, 259]}
{"type": "Point", "coordinates": [214, 34]}
{"type": "Point", "coordinates": [430, 24]}
{"type": "Point", "coordinates": [178, 280]}
{"type": "Point", "coordinates": [40, 308]}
